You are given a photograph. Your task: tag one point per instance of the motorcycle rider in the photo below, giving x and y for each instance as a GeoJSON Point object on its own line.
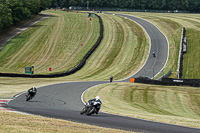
{"type": "Point", "coordinates": [32, 91]}
{"type": "Point", "coordinates": [154, 54]}
{"type": "Point", "coordinates": [111, 78]}
{"type": "Point", "coordinates": [96, 99]}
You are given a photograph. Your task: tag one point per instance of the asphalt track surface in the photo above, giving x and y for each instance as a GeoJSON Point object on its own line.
{"type": "Point", "coordinates": [63, 100]}
{"type": "Point", "coordinates": [158, 44]}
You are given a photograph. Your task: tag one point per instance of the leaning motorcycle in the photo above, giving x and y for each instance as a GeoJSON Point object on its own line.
{"type": "Point", "coordinates": [91, 108]}
{"type": "Point", "coordinates": [30, 95]}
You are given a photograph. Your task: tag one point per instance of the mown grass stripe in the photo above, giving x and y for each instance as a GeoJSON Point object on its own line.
{"type": "Point", "coordinates": [173, 105]}
{"type": "Point", "coordinates": [44, 45]}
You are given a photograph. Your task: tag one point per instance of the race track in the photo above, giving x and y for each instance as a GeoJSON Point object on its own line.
{"type": "Point", "coordinates": [64, 100]}
{"type": "Point", "coordinates": [159, 45]}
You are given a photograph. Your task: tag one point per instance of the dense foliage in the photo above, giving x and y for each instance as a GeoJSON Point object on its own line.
{"type": "Point", "coordinates": [12, 11]}
{"type": "Point", "coordinates": [190, 5]}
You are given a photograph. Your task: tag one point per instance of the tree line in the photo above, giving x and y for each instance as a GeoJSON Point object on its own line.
{"type": "Point", "coordinates": [13, 11]}
{"type": "Point", "coordinates": [188, 5]}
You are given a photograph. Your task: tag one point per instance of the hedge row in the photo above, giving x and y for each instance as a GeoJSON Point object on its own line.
{"type": "Point", "coordinates": [78, 67]}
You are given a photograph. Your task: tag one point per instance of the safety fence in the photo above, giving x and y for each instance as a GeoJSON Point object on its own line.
{"type": "Point", "coordinates": [73, 70]}
{"type": "Point", "coordinates": [169, 82]}
{"type": "Point", "coordinates": [165, 76]}
{"type": "Point", "coordinates": [125, 9]}
{"type": "Point", "coordinates": [182, 51]}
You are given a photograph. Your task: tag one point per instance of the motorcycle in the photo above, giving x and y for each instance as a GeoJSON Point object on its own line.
{"type": "Point", "coordinates": [91, 108]}
{"type": "Point", "coordinates": [154, 54]}
{"type": "Point", "coordinates": [111, 79]}
{"type": "Point", "coordinates": [30, 95]}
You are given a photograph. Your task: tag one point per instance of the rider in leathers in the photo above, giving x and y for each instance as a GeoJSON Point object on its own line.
{"type": "Point", "coordinates": [96, 99]}
{"type": "Point", "coordinates": [32, 91]}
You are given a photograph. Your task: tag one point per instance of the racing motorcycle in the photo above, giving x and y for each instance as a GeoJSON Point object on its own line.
{"type": "Point", "coordinates": [30, 95]}
{"type": "Point", "coordinates": [91, 108]}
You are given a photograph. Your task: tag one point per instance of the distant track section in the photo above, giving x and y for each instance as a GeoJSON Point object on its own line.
{"type": "Point", "coordinates": [159, 45]}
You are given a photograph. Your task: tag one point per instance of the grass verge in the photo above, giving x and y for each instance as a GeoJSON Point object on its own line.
{"type": "Point", "coordinates": [173, 105]}
{"type": "Point", "coordinates": [12, 122]}
{"type": "Point", "coordinates": [191, 63]}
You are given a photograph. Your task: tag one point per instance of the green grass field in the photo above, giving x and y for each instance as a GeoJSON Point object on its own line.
{"type": "Point", "coordinates": [54, 42]}
{"type": "Point", "coordinates": [15, 123]}
{"type": "Point", "coordinates": [191, 63]}
{"type": "Point", "coordinates": [175, 105]}
{"type": "Point", "coordinates": [122, 52]}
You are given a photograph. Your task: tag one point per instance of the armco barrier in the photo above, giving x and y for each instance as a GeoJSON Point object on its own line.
{"type": "Point", "coordinates": [75, 69]}
{"type": "Point", "coordinates": [180, 59]}
{"type": "Point", "coordinates": [165, 76]}
{"type": "Point", "coordinates": [169, 82]}
{"type": "Point", "coordinates": [181, 80]}
{"type": "Point", "coordinates": [126, 9]}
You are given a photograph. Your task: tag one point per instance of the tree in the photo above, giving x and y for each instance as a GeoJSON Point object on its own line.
{"type": "Point", "coordinates": [64, 3]}
{"type": "Point", "coordinates": [132, 4]}
{"type": "Point", "coordinates": [72, 3]}
{"type": "Point", "coordinates": [114, 3]}
{"type": "Point", "coordinates": [13, 11]}
{"type": "Point", "coordinates": [18, 10]}
{"type": "Point", "coordinates": [194, 5]}
{"type": "Point", "coordinates": [5, 15]}
{"type": "Point", "coordinates": [44, 4]}
{"type": "Point", "coordinates": [163, 5]}
{"type": "Point", "coordinates": [185, 5]}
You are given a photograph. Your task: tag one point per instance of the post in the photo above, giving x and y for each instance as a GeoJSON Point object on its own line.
{"type": "Point", "coordinates": [163, 70]}
{"type": "Point", "coordinates": [153, 73]}
{"type": "Point", "coordinates": [32, 69]}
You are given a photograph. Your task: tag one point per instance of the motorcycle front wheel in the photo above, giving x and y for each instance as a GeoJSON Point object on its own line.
{"type": "Point", "coordinates": [28, 97]}
{"type": "Point", "coordinates": [90, 112]}
{"type": "Point", "coordinates": [83, 111]}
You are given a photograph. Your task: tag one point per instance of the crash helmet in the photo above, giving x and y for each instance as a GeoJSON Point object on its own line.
{"type": "Point", "coordinates": [97, 98]}
{"type": "Point", "coordinates": [33, 88]}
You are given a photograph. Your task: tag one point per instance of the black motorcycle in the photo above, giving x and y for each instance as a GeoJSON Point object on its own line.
{"type": "Point", "coordinates": [30, 95]}
{"type": "Point", "coordinates": [91, 108]}
{"type": "Point", "coordinates": [111, 79]}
